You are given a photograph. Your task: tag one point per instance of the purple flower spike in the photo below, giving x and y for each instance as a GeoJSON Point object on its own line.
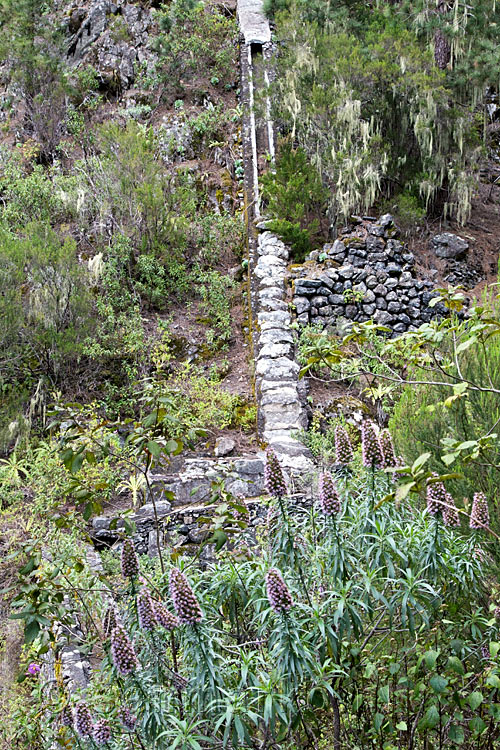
{"type": "Point", "coordinates": [372, 454]}
{"type": "Point", "coordinates": [451, 517]}
{"type": "Point", "coordinates": [128, 719]}
{"type": "Point", "coordinates": [165, 618]}
{"type": "Point", "coordinates": [111, 620]}
{"type": "Point", "coordinates": [480, 514]}
{"type": "Point", "coordinates": [122, 651]}
{"type": "Point", "coordinates": [278, 594]}
{"type": "Point", "coordinates": [66, 717]}
{"type": "Point", "coordinates": [129, 561]}
{"type": "Point", "coordinates": [343, 447]}
{"type": "Point", "coordinates": [146, 612]}
{"type": "Point", "coordinates": [328, 496]}
{"type": "Point", "coordinates": [496, 613]}
{"type": "Point", "coordinates": [83, 720]}
{"type": "Point", "coordinates": [436, 495]}
{"type": "Point", "coordinates": [273, 475]}
{"type": "Point", "coordinates": [387, 448]}
{"type": "Point", "coordinates": [102, 732]}
{"type": "Point", "coordinates": [185, 602]}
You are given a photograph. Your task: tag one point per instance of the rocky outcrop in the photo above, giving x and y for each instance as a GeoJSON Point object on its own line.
{"type": "Point", "coordinates": [366, 274]}
{"type": "Point", "coordinates": [113, 37]}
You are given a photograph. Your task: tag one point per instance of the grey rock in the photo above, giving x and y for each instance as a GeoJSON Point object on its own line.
{"type": "Point", "coordinates": [351, 312]}
{"type": "Point", "coordinates": [387, 220]}
{"type": "Point", "coordinates": [311, 283]}
{"type": "Point", "coordinates": [369, 310]}
{"type": "Point", "coordinates": [345, 272]}
{"type": "Point", "coordinates": [374, 244]}
{"type": "Point", "coordinates": [383, 318]}
{"type": "Point", "coordinates": [302, 304]}
{"type": "Point", "coordinates": [369, 296]}
{"type": "Point", "coordinates": [327, 280]}
{"type": "Point", "coordinates": [380, 290]}
{"type": "Point", "coordinates": [224, 446]}
{"type": "Point", "coordinates": [393, 269]}
{"type": "Point", "coordinates": [381, 303]}
{"type": "Point", "coordinates": [394, 307]}
{"type": "Point", "coordinates": [371, 282]}
{"type": "Point", "coordinates": [303, 319]}
{"type": "Point", "coordinates": [449, 245]}
{"type": "Point", "coordinates": [319, 301]}
{"type": "Point", "coordinates": [336, 299]}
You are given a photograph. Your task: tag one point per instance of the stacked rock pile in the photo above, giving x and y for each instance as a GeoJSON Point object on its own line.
{"type": "Point", "coordinates": [366, 274]}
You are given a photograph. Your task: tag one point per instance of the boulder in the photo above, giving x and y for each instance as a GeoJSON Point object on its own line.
{"type": "Point", "coordinates": [449, 245]}
{"type": "Point", "coordinates": [224, 446]}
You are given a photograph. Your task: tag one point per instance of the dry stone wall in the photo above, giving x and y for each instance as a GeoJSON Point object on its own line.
{"type": "Point", "coordinates": [367, 273]}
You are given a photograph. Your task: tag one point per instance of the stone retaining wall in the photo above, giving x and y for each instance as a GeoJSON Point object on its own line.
{"type": "Point", "coordinates": [367, 273]}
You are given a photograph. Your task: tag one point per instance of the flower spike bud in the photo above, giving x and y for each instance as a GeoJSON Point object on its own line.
{"type": "Point", "coordinates": [387, 448]}
{"type": "Point", "coordinates": [83, 720]}
{"type": "Point", "coordinates": [185, 602]}
{"type": "Point", "coordinates": [480, 514]}
{"type": "Point", "coordinates": [372, 454]}
{"type": "Point", "coordinates": [436, 496]}
{"type": "Point", "coordinates": [450, 512]}
{"type": "Point", "coordinates": [278, 594]}
{"type": "Point", "coordinates": [129, 561]}
{"type": "Point", "coordinates": [165, 618]}
{"type": "Point", "coordinates": [66, 717]}
{"type": "Point", "coordinates": [146, 612]}
{"type": "Point", "coordinates": [128, 719]}
{"type": "Point", "coordinates": [111, 620]}
{"type": "Point", "coordinates": [273, 475]}
{"type": "Point", "coordinates": [328, 496]}
{"type": "Point", "coordinates": [343, 448]}
{"type": "Point", "coordinates": [102, 732]}
{"type": "Point", "coordinates": [122, 651]}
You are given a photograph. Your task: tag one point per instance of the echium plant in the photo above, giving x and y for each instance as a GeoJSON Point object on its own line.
{"type": "Point", "coordinates": [436, 497]}
{"type": "Point", "coordinates": [146, 611]}
{"type": "Point", "coordinates": [185, 602]}
{"type": "Point", "coordinates": [343, 448]}
{"type": "Point", "coordinates": [387, 449]}
{"type": "Point", "coordinates": [451, 516]}
{"type": "Point", "coordinates": [102, 732]}
{"type": "Point", "coordinates": [329, 499]}
{"type": "Point", "coordinates": [480, 513]}
{"type": "Point", "coordinates": [129, 561]}
{"type": "Point", "coordinates": [273, 475]}
{"type": "Point", "coordinates": [83, 720]}
{"type": "Point", "coordinates": [123, 653]}
{"type": "Point", "coordinates": [278, 594]}
{"type": "Point", "coordinates": [372, 453]}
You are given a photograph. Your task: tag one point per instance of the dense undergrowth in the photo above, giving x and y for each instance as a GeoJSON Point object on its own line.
{"type": "Point", "coordinates": [376, 631]}
{"type": "Point", "coordinates": [362, 617]}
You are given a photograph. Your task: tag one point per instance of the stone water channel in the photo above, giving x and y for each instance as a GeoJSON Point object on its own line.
{"type": "Point", "coordinates": [280, 394]}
